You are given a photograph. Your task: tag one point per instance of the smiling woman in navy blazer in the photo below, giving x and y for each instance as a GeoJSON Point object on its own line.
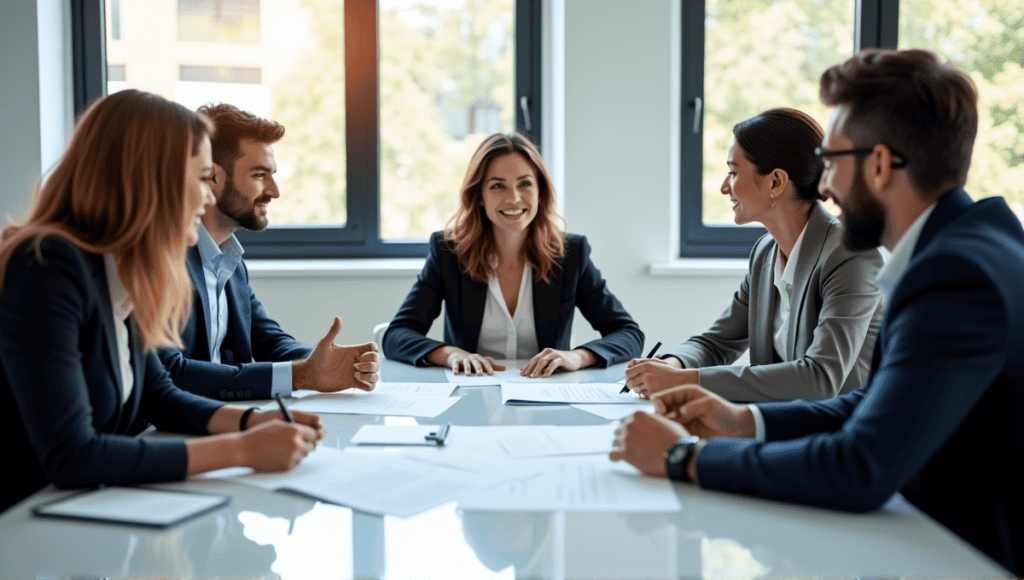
{"type": "Point", "coordinates": [92, 283]}
{"type": "Point", "coordinates": [509, 278]}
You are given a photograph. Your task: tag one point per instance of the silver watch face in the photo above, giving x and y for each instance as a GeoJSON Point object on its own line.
{"type": "Point", "coordinates": [677, 454]}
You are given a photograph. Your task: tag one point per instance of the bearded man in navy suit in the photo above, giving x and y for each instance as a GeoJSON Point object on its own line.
{"type": "Point", "coordinates": [233, 349]}
{"type": "Point", "coordinates": [940, 416]}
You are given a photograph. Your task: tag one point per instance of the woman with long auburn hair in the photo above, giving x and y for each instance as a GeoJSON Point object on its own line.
{"type": "Point", "coordinates": [510, 279]}
{"type": "Point", "coordinates": [93, 282]}
{"type": "Point", "coordinates": [809, 309]}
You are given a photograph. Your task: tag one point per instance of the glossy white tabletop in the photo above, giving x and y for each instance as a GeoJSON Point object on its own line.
{"type": "Point", "coordinates": [263, 534]}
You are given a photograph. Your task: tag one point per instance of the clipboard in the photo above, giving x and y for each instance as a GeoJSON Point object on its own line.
{"type": "Point", "coordinates": [133, 506]}
{"type": "Point", "coordinates": [400, 435]}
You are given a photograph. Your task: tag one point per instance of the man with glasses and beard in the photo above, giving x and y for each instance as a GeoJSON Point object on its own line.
{"type": "Point", "coordinates": [939, 418]}
{"type": "Point", "coordinates": [232, 349]}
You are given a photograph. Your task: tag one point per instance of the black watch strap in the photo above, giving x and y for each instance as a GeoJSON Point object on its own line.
{"type": "Point", "coordinates": [677, 457]}
{"type": "Point", "coordinates": [243, 421]}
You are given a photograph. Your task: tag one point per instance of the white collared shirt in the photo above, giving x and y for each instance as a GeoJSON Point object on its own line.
{"type": "Point", "coordinates": [504, 335]}
{"type": "Point", "coordinates": [121, 307]}
{"type": "Point", "coordinates": [784, 278]}
{"type": "Point", "coordinates": [219, 264]}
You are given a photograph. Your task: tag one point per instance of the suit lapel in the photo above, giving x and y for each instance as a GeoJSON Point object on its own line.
{"type": "Point", "coordinates": [474, 294]}
{"type": "Point", "coordinates": [107, 314]}
{"type": "Point", "coordinates": [546, 300]}
{"type": "Point", "coordinates": [238, 338]}
{"type": "Point", "coordinates": [198, 275]}
{"type": "Point", "coordinates": [948, 208]}
{"type": "Point", "coordinates": [131, 408]}
{"type": "Point", "coordinates": [764, 299]}
{"type": "Point", "coordinates": [811, 248]}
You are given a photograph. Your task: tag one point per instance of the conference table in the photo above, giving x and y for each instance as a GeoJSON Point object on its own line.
{"type": "Point", "coordinates": [264, 534]}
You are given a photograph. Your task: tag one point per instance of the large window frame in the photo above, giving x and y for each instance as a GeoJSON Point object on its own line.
{"type": "Point", "coordinates": [360, 236]}
{"type": "Point", "coordinates": [875, 25]}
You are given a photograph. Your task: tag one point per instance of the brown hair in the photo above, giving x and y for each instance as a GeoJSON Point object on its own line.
{"type": "Point", "coordinates": [120, 189]}
{"type": "Point", "coordinates": [924, 109]}
{"type": "Point", "coordinates": [471, 230]}
{"type": "Point", "coordinates": [784, 139]}
{"type": "Point", "coordinates": [232, 125]}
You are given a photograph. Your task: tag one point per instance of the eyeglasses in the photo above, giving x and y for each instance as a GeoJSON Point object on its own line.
{"type": "Point", "coordinates": [860, 151]}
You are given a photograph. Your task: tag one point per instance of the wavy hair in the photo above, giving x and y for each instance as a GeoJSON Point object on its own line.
{"type": "Point", "coordinates": [120, 189]}
{"type": "Point", "coordinates": [471, 230]}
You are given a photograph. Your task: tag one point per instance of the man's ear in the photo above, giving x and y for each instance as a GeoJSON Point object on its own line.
{"type": "Point", "coordinates": [220, 177]}
{"type": "Point", "coordinates": [878, 168]}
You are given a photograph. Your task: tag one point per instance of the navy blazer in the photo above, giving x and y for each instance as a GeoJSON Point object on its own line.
{"type": "Point", "coordinates": [940, 417]}
{"type": "Point", "coordinates": [575, 282]}
{"type": "Point", "coordinates": [60, 396]}
{"type": "Point", "coordinates": [251, 336]}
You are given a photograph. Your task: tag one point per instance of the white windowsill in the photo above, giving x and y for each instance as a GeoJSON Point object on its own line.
{"type": "Point", "coordinates": [408, 267]}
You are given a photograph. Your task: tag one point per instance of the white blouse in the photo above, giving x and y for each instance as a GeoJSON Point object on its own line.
{"type": "Point", "coordinates": [784, 279]}
{"type": "Point", "coordinates": [507, 336]}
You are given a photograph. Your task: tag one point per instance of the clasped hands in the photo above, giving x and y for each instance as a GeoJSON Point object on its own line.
{"type": "Point", "coordinates": [331, 367]}
{"type": "Point", "coordinates": [542, 365]}
{"type": "Point", "coordinates": [643, 438]}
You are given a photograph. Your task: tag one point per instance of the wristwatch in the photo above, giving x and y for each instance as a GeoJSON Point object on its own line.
{"type": "Point", "coordinates": [678, 455]}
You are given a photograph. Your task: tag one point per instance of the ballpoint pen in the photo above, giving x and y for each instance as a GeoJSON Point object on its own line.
{"type": "Point", "coordinates": [284, 410]}
{"type": "Point", "coordinates": [649, 355]}
{"type": "Point", "coordinates": [439, 436]}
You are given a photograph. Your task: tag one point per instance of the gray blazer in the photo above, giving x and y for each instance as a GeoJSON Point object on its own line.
{"type": "Point", "coordinates": [833, 322]}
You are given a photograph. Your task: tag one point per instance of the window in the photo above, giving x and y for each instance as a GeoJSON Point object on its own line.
{"type": "Point", "coordinates": [383, 103]}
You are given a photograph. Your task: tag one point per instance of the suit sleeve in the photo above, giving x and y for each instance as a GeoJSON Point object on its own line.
{"type": "Point", "coordinates": [250, 380]}
{"type": "Point", "coordinates": [945, 345]}
{"type": "Point", "coordinates": [621, 338]}
{"type": "Point", "coordinates": [45, 306]}
{"type": "Point", "coordinates": [850, 313]}
{"type": "Point", "coordinates": [405, 339]}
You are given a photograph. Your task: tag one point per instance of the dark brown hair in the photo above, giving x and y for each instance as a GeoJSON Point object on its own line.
{"type": "Point", "coordinates": [232, 125]}
{"type": "Point", "coordinates": [924, 109]}
{"type": "Point", "coordinates": [471, 230]}
{"type": "Point", "coordinates": [784, 139]}
{"type": "Point", "coordinates": [121, 189]}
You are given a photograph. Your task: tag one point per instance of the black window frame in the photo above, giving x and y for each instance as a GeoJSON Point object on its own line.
{"type": "Point", "coordinates": [360, 236]}
{"type": "Point", "coordinates": [876, 24]}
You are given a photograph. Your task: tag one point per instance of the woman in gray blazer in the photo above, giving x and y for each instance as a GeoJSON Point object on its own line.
{"type": "Point", "coordinates": [809, 309]}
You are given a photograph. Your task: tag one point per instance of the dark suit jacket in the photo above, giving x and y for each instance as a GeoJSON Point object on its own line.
{"type": "Point", "coordinates": [60, 397]}
{"type": "Point", "coordinates": [576, 283]}
{"type": "Point", "coordinates": [252, 335]}
{"type": "Point", "coordinates": [834, 317]}
{"type": "Point", "coordinates": [940, 417]}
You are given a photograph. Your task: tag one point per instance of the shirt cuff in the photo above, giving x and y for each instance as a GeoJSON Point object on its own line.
{"type": "Point", "coordinates": [281, 379]}
{"type": "Point", "coordinates": [758, 422]}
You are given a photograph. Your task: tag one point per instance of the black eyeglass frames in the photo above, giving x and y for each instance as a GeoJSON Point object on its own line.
{"type": "Point", "coordinates": [824, 153]}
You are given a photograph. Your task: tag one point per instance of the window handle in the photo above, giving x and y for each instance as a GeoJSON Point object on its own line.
{"type": "Point", "coordinates": [524, 104]}
{"type": "Point", "coordinates": [698, 108]}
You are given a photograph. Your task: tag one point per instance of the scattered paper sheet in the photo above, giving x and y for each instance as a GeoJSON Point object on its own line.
{"type": "Point", "coordinates": [547, 440]}
{"type": "Point", "coordinates": [512, 368]}
{"type": "Point", "coordinates": [375, 403]}
{"type": "Point", "coordinates": [563, 394]}
{"type": "Point", "coordinates": [431, 389]}
{"type": "Point", "coordinates": [394, 435]}
{"type": "Point", "coordinates": [511, 375]}
{"type": "Point", "coordinates": [592, 484]}
{"type": "Point", "coordinates": [615, 412]}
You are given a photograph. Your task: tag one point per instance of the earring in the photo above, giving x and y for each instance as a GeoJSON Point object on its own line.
{"type": "Point", "coordinates": [771, 196]}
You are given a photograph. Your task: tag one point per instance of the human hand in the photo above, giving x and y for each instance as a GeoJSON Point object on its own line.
{"type": "Point", "coordinates": [650, 376]}
{"type": "Point", "coordinates": [549, 360]}
{"type": "Point", "coordinates": [472, 363]}
{"type": "Point", "coordinates": [669, 360]}
{"type": "Point", "coordinates": [642, 440]}
{"type": "Point", "coordinates": [276, 445]}
{"type": "Point", "coordinates": [331, 367]}
{"type": "Point", "coordinates": [704, 413]}
{"type": "Point", "coordinates": [300, 417]}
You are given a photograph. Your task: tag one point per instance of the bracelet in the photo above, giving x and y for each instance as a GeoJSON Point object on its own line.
{"type": "Point", "coordinates": [244, 420]}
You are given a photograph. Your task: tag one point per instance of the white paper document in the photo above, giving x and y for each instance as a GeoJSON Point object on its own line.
{"type": "Point", "coordinates": [378, 482]}
{"type": "Point", "coordinates": [615, 412]}
{"type": "Point", "coordinates": [511, 375]}
{"type": "Point", "coordinates": [511, 372]}
{"type": "Point", "coordinates": [375, 403]}
{"type": "Point", "coordinates": [132, 505]}
{"type": "Point", "coordinates": [547, 440]}
{"type": "Point", "coordinates": [593, 484]}
{"type": "Point", "coordinates": [432, 389]}
{"type": "Point", "coordinates": [564, 394]}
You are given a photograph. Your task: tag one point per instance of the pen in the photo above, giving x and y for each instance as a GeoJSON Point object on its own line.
{"type": "Point", "coordinates": [284, 410]}
{"type": "Point", "coordinates": [649, 355]}
{"type": "Point", "coordinates": [439, 436]}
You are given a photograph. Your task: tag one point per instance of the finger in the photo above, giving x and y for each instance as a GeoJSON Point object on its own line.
{"type": "Point", "coordinates": [632, 363]}
{"type": "Point", "coordinates": [553, 364]}
{"type": "Point", "coordinates": [494, 364]}
{"type": "Point", "coordinates": [367, 380]}
{"type": "Point", "coordinates": [529, 366]}
{"type": "Point", "coordinates": [370, 356]}
{"type": "Point", "coordinates": [476, 367]}
{"type": "Point", "coordinates": [332, 333]}
{"type": "Point", "coordinates": [633, 369]}
{"type": "Point", "coordinates": [486, 364]}
{"type": "Point", "coordinates": [368, 347]}
{"type": "Point", "coordinates": [366, 367]}
{"type": "Point", "coordinates": [462, 365]}
{"type": "Point", "coordinates": [617, 455]}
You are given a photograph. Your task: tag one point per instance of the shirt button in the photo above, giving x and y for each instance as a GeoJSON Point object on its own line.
{"type": "Point", "coordinates": [239, 394]}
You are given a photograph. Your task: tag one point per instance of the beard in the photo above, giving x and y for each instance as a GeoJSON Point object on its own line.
{"type": "Point", "coordinates": [234, 205]}
{"type": "Point", "coordinates": [863, 217]}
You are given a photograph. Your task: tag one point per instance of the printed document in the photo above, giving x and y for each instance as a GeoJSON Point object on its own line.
{"type": "Point", "coordinates": [374, 403]}
{"type": "Point", "coordinates": [564, 394]}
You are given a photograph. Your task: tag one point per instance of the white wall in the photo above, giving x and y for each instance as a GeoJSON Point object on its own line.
{"type": "Point", "coordinates": [617, 72]}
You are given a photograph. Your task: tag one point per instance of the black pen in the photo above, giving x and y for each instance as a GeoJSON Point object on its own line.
{"type": "Point", "coordinates": [439, 436]}
{"type": "Point", "coordinates": [649, 355]}
{"type": "Point", "coordinates": [284, 410]}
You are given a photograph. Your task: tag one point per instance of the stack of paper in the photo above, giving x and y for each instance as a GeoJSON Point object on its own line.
{"type": "Point", "coordinates": [564, 394]}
